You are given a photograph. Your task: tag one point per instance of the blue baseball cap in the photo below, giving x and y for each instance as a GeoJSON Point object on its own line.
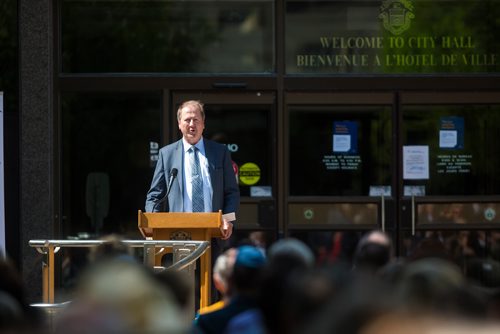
{"type": "Point", "coordinates": [249, 256]}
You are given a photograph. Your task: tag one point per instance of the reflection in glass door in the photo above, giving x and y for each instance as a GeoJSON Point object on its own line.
{"type": "Point", "coordinates": [341, 175]}
{"type": "Point", "coordinates": [340, 150]}
{"type": "Point", "coordinates": [106, 164]}
{"type": "Point", "coordinates": [462, 148]}
{"type": "Point", "coordinates": [449, 175]}
{"type": "Point", "coordinates": [424, 170]}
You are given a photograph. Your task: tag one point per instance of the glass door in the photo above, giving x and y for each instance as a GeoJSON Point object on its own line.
{"type": "Point", "coordinates": [450, 186]}
{"type": "Point", "coordinates": [340, 167]}
{"type": "Point", "coordinates": [245, 122]}
{"type": "Point", "coordinates": [105, 148]}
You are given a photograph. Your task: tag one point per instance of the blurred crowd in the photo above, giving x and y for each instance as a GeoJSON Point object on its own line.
{"type": "Point", "coordinates": [283, 287]}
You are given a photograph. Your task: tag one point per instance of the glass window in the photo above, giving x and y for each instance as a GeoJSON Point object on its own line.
{"type": "Point", "coordinates": [458, 213]}
{"type": "Point", "coordinates": [179, 36]}
{"type": "Point", "coordinates": [339, 150]}
{"type": "Point", "coordinates": [417, 36]}
{"type": "Point", "coordinates": [106, 159]}
{"type": "Point", "coordinates": [333, 213]}
{"type": "Point", "coordinates": [463, 151]}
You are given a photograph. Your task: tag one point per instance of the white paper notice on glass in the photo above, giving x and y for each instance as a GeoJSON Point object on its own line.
{"type": "Point", "coordinates": [261, 191]}
{"type": "Point", "coordinates": [414, 190]}
{"type": "Point", "coordinates": [380, 191]}
{"type": "Point", "coordinates": [448, 138]}
{"type": "Point", "coordinates": [341, 143]}
{"type": "Point", "coordinates": [416, 162]}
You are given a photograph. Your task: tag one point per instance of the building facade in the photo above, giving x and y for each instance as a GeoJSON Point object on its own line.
{"type": "Point", "coordinates": [341, 116]}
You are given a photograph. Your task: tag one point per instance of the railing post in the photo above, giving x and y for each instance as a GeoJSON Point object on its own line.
{"type": "Point", "coordinates": [149, 254]}
{"type": "Point", "coordinates": [45, 276]}
{"type": "Point", "coordinates": [48, 274]}
{"type": "Point", "coordinates": [181, 251]}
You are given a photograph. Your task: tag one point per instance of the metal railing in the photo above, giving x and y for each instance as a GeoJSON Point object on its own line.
{"type": "Point", "coordinates": [190, 251]}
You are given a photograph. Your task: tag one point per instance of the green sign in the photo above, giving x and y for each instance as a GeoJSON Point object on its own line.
{"type": "Point", "coordinates": [396, 36]}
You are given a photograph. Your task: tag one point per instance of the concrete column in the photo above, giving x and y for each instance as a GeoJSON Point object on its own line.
{"type": "Point", "coordinates": [36, 136]}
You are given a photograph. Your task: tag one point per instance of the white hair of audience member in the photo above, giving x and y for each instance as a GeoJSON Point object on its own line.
{"type": "Point", "coordinates": [377, 237]}
{"type": "Point", "coordinates": [293, 247]}
{"type": "Point", "coordinates": [223, 268]}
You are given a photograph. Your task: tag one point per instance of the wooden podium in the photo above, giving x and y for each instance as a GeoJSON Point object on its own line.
{"type": "Point", "coordinates": [202, 226]}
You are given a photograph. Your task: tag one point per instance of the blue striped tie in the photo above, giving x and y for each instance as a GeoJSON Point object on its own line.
{"type": "Point", "coordinates": [197, 181]}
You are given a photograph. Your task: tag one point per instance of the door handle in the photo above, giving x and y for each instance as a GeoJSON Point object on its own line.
{"type": "Point", "coordinates": [412, 215]}
{"type": "Point", "coordinates": [382, 213]}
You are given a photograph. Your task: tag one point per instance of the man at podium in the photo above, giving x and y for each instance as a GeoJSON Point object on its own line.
{"type": "Point", "coordinates": [195, 174]}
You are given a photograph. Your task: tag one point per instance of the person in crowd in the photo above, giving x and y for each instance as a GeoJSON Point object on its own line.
{"type": "Point", "coordinates": [195, 174]}
{"type": "Point", "coordinates": [352, 301]}
{"type": "Point", "coordinates": [76, 259]}
{"type": "Point", "coordinates": [112, 247]}
{"type": "Point", "coordinates": [484, 276]}
{"type": "Point", "coordinates": [428, 294]}
{"type": "Point", "coordinates": [373, 252]}
{"type": "Point", "coordinates": [438, 286]}
{"type": "Point", "coordinates": [244, 285]}
{"type": "Point", "coordinates": [180, 284]}
{"type": "Point", "coordinates": [222, 271]}
{"type": "Point", "coordinates": [16, 315]}
{"type": "Point", "coordinates": [287, 259]}
{"type": "Point", "coordinates": [115, 296]}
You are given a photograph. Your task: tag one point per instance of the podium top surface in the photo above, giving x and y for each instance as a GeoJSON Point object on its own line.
{"type": "Point", "coordinates": [184, 220]}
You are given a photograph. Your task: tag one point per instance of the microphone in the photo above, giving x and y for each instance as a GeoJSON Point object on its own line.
{"type": "Point", "coordinates": [173, 175]}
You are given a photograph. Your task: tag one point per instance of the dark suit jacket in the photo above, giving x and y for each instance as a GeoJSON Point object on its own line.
{"type": "Point", "coordinates": [217, 321]}
{"type": "Point", "coordinates": [226, 194]}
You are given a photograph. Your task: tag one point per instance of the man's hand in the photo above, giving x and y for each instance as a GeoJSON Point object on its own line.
{"type": "Point", "coordinates": [226, 229]}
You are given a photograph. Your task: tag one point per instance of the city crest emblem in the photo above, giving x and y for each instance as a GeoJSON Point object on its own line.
{"type": "Point", "coordinates": [396, 15]}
